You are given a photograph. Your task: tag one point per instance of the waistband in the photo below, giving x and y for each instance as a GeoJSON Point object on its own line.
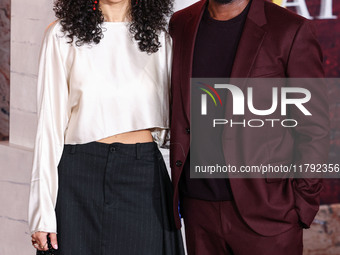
{"type": "Point", "coordinates": [137, 150]}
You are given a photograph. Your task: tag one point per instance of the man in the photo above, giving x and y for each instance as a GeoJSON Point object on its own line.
{"type": "Point", "coordinates": [246, 39]}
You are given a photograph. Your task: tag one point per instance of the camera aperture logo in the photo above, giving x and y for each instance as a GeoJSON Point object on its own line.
{"type": "Point", "coordinates": [204, 97]}
{"type": "Point", "coordinates": [240, 101]}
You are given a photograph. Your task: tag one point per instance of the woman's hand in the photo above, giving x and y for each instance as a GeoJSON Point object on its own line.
{"type": "Point", "coordinates": [39, 240]}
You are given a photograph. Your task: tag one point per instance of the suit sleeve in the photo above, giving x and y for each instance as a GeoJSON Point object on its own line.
{"type": "Point", "coordinates": [52, 96]}
{"type": "Point", "coordinates": [312, 133]}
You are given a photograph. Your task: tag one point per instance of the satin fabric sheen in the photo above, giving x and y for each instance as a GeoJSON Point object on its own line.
{"type": "Point", "coordinates": [88, 93]}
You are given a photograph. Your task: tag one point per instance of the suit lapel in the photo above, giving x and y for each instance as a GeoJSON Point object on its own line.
{"type": "Point", "coordinates": [248, 49]}
{"type": "Point", "coordinates": [251, 40]}
{"type": "Point", "coordinates": [249, 46]}
{"type": "Point", "coordinates": [187, 51]}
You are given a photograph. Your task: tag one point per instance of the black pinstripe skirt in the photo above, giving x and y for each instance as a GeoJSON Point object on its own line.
{"type": "Point", "coordinates": [115, 199]}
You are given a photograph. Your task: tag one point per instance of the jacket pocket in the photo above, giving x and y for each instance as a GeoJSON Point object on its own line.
{"type": "Point", "coordinates": [267, 71]}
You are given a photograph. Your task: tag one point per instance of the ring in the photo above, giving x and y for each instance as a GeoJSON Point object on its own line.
{"type": "Point", "coordinates": [42, 247]}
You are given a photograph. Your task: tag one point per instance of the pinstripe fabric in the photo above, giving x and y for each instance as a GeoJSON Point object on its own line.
{"type": "Point", "coordinates": [109, 200]}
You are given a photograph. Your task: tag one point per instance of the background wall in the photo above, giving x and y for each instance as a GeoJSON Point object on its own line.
{"type": "Point", "coordinates": [4, 68]}
{"type": "Point", "coordinates": [28, 22]}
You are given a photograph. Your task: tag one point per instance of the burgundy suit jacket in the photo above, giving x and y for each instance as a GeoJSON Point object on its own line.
{"type": "Point", "coordinates": [274, 43]}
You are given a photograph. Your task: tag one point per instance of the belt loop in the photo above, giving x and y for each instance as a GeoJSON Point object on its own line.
{"type": "Point", "coordinates": [137, 150]}
{"type": "Point", "coordinates": [73, 149]}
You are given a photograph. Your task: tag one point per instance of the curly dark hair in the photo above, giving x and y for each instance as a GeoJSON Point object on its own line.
{"type": "Point", "coordinates": [82, 22]}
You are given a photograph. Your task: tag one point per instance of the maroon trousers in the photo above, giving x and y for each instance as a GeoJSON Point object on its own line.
{"type": "Point", "coordinates": [216, 228]}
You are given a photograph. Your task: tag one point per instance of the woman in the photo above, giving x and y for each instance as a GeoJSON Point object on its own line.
{"type": "Point", "coordinates": [98, 178]}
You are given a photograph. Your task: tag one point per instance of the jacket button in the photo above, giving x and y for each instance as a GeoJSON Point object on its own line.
{"type": "Point", "coordinates": [179, 163]}
{"type": "Point", "coordinates": [187, 130]}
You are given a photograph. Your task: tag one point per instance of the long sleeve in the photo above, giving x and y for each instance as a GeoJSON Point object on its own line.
{"type": "Point", "coordinates": [52, 97]}
{"type": "Point", "coordinates": [169, 55]}
{"type": "Point", "coordinates": [162, 136]}
{"type": "Point", "coordinates": [312, 134]}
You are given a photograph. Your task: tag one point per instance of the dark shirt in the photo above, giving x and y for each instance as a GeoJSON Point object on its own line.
{"type": "Point", "coordinates": [215, 49]}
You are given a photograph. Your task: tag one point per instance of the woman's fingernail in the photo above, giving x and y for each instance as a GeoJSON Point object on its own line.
{"type": "Point", "coordinates": [55, 246]}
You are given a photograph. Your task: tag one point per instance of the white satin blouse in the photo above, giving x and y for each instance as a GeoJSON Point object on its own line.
{"type": "Point", "coordinates": [88, 93]}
